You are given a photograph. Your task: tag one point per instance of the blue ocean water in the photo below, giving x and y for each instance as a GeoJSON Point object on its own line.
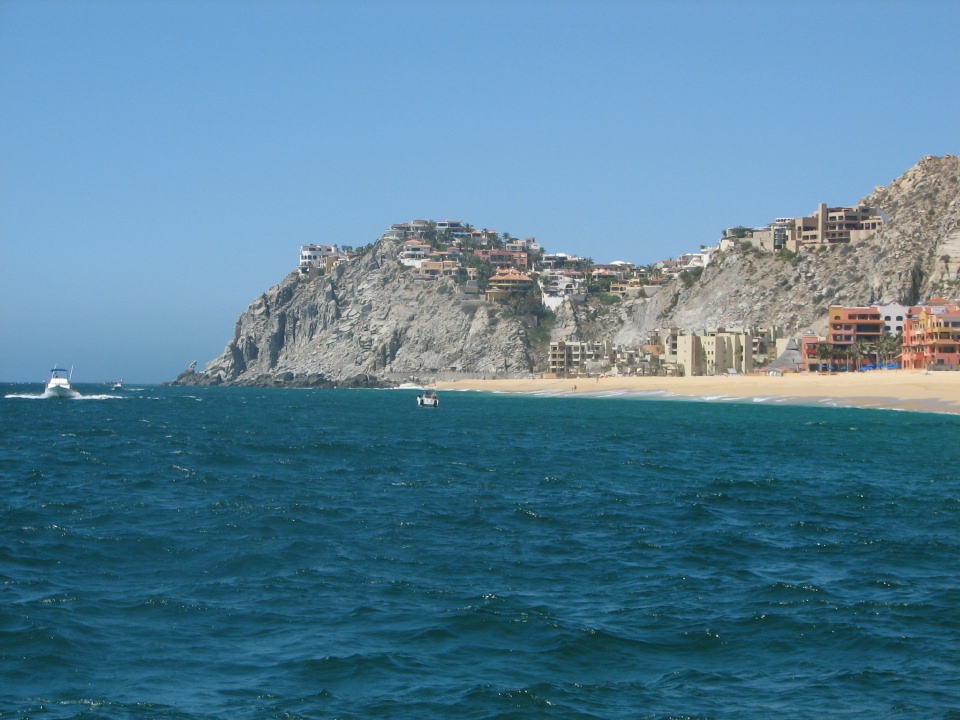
{"type": "Point", "coordinates": [245, 553]}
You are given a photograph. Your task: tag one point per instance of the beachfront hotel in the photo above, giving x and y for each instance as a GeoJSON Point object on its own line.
{"type": "Point", "coordinates": [931, 336]}
{"type": "Point", "coordinates": [848, 329]}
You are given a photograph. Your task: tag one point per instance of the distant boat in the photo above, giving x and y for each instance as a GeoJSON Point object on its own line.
{"type": "Point", "coordinates": [59, 386]}
{"type": "Point", "coordinates": [118, 385]}
{"type": "Point", "coordinates": [428, 398]}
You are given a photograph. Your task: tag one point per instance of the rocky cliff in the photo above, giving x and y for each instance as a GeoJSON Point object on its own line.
{"type": "Point", "coordinates": [370, 319]}
{"type": "Point", "coordinates": [373, 320]}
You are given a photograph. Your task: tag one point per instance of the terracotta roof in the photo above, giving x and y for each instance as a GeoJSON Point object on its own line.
{"type": "Point", "coordinates": [509, 274]}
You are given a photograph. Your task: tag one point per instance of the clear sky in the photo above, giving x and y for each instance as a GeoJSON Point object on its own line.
{"type": "Point", "coordinates": [161, 162]}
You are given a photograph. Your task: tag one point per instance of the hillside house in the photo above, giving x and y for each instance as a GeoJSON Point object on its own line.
{"type": "Point", "coordinates": [519, 259]}
{"type": "Point", "coordinates": [434, 269]}
{"type": "Point", "coordinates": [826, 226]}
{"type": "Point", "coordinates": [315, 256]}
{"type": "Point", "coordinates": [525, 245]}
{"type": "Point", "coordinates": [507, 282]}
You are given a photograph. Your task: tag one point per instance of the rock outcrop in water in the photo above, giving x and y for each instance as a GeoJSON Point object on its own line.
{"type": "Point", "coordinates": [373, 321]}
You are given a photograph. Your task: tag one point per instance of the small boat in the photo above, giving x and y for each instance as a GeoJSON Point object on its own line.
{"type": "Point", "coordinates": [118, 385]}
{"type": "Point", "coordinates": [428, 398]}
{"type": "Point", "coordinates": [59, 386]}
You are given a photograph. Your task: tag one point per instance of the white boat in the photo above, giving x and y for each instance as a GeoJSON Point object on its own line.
{"type": "Point", "coordinates": [59, 386]}
{"type": "Point", "coordinates": [118, 385]}
{"type": "Point", "coordinates": [428, 398]}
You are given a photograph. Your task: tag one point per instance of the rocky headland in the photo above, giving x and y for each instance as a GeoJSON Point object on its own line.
{"type": "Point", "coordinates": [374, 322]}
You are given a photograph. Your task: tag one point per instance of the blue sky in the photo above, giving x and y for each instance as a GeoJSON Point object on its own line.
{"type": "Point", "coordinates": [162, 162]}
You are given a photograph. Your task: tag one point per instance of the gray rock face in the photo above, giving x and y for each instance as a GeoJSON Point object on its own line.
{"type": "Point", "coordinates": [372, 320]}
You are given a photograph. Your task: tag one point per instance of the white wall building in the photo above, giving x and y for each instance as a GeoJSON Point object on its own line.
{"type": "Point", "coordinates": [316, 255]}
{"type": "Point", "coordinates": [893, 316]}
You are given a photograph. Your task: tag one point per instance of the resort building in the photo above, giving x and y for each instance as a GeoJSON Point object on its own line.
{"type": "Point", "coordinates": [931, 336]}
{"type": "Point", "coordinates": [715, 352]}
{"type": "Point", "coordinates": [576, 357]}
{"type": "Point", "coordinates": [849, 330]}
{"type": "Point", "coordinates": [894, 317]}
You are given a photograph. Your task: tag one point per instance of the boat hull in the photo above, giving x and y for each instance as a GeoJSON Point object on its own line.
{"type": "Point", "coordinates": [60, 390]}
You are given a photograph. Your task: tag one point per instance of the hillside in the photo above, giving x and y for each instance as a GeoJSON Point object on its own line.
{"type": "Point", "coordinates": [373, 321]}
{"type": "Point", "coordinates": [915, 256]}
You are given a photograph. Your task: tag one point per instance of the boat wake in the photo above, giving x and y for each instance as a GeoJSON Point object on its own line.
{"type": "Point", "coordinates": [50, 396]}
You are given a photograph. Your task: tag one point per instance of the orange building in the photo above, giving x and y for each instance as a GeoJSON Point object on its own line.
{"type": "Point", "coordinates": [848, 326]}
{"type": "Point", "coordinates": [503, 258]}
{"type": "Point", "coordinates": [931, 336]}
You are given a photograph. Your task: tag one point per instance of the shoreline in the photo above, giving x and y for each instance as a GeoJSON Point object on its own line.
{"type": "Point", "coordinates": [915, 390]}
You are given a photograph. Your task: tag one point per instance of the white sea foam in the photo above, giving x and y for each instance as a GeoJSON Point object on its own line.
{"type": "Point", "coordinates": [45, 396]}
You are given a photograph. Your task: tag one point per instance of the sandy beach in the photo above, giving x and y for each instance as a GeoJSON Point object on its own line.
{"type": "Point", "coordinates": [890, 389]}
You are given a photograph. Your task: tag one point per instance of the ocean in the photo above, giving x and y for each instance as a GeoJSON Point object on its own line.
{"type": "Point", "coordinates": [249, 553]}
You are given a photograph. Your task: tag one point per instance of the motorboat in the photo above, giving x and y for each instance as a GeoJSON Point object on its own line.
{"type": "Point", "coordinates": [428, 398]}
{"type": "Point", "coordinates": [118, 385]}
{"type": "Point", "coordinates": [59, 384]}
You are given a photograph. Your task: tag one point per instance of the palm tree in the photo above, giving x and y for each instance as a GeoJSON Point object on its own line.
{"type": "Point", "coordinates": [861, 350]}
{"type": "Point", "coordinates": [889, 347]}
{"type": "Point", "coordinates": [825, 353]}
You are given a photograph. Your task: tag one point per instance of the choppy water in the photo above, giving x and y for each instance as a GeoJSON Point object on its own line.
{"type": "Point", "coordinates": [238, 553]}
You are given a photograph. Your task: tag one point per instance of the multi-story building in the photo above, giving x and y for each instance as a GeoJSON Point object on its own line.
{"type": "Point", "coordinates": [831, 225]}
{"type": "Point", "coordinates": [526, 244]}
{"type": "Point", "coordinates": [826, 226]}
{"type": "Point", "coordinates": [779, 235]}
{"type": "Point", "coordinates": [454, 227]}
{"type": "Point", "coordinates": [894, 316]}
{"type": "Point", "coordinates": [556, 284]}
{"type": "Point", "coordinates": [433, 269]}
{"type": "Point", "coordinates": [573, 357]}
{"type": "Point", "coordinates": [317, 256]}
{"type": "Point", "coordinates": [414, 253]}
{"type": "Point", "coordinates": [715, 352]}
{"type": "Point", "coordinates": [313, 255]}
{"type": "Point", "coordinates": [513, 258]}
{"type": "Point", "coordinates": [931, 336]}
{"type": "Point", "coordinates": [847, 327]}
{"type": "Point", "coordinates": [506, 282]}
